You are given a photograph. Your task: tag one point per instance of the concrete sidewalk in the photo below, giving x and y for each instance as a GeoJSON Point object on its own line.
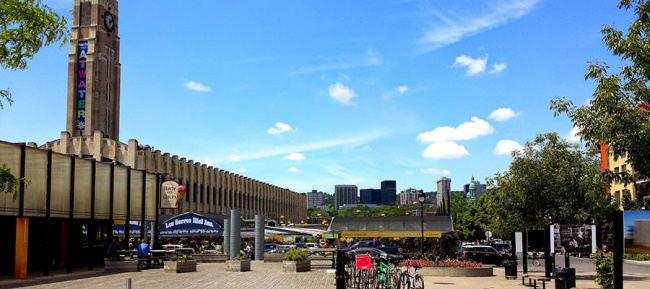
{"type": "Point", "coordinates": [268, 275]}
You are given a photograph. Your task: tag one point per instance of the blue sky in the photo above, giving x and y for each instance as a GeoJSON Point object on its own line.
{"type": "Point", "coordinates": [311, 94]}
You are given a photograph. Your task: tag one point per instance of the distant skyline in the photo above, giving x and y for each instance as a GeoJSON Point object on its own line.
{"type": "Point", "coordinates": [312, 94]}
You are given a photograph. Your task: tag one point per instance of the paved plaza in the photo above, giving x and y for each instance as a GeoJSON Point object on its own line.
{"type": "Point", "coordinates": [267, 275]}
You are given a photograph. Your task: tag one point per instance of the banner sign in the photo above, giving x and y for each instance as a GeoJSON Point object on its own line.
{"type": "Point", "coordinates": [369, 234]}
{"type": "Point", "coordinates": [134, 228]}
{"type": "Point", "coordinates": [82, 50]}
{"type": "Point", "coordinates": [636, 232]}
{"type": "Point", "coordinates": [575, 240]}
{"type": "Point", "coordinates": [169, 195]}
{"type": "Point", "coordinates": [189, 224]}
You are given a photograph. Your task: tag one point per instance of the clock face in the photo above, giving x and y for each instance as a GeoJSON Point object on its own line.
{"type": "Point", "coordinates": [109, 21]}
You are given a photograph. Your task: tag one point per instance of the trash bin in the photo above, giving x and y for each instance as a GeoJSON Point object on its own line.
{"type": "Point", "coordinates": [565, 278]}
{"type": "Point", "coordinates": [511, 269]}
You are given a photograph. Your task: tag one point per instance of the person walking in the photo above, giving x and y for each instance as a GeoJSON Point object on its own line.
{"type": "Point", "coordinates": [536, 258]}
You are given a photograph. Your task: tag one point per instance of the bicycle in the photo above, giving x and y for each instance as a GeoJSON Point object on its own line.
{"type": "Point", "coordinates": [410, 279]}
{"type": "Point", "coordinates": [387, 276]}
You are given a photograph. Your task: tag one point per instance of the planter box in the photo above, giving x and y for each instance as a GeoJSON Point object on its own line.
{"type": "Point", "coordinates": [296, 266]}
{"type": "Point", "coordinates": [456, 272]}
{"type": "Point", "coordinates": [210, 258]}
{"type": "Point", "coordinates": [180, 267]}
{"type": "Point", "coordinates": [238, 265]}
{"type": "Point", "coordinates": [120, 266]}
{"type": "Point", "coordinates": [273, 257]}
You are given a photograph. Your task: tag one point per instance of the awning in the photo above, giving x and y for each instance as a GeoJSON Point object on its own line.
{"type": "Point", "coordinates": [403, 226]}
{"type": "Point", "coordinates": [189, 224]}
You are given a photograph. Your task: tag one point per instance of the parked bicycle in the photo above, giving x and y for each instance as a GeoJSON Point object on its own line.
{"type": "Point", "coordinates": [410, 279]}
{"type": "Point", "coordinates": [387, 276]}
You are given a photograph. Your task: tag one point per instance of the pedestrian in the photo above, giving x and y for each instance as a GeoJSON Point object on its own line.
{"type": "Point", "coordinates": [113, 250]}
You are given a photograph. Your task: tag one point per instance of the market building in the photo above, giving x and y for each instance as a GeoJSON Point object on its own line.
{"type": "Point", "coordinates": [81, 184]}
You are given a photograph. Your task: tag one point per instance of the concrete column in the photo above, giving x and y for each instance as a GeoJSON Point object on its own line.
{"type": "Point", "coordinates": [259, 237]}
{"type": "Point", "coordinates": [226, 236]}
{"type": "Point", "coordinates": [235, 232]}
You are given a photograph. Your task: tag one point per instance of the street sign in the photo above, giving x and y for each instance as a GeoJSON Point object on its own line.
{"type": "Point", "coordinates": [322, 242]}
{"type": "Point", "coordinates": [488, 234]}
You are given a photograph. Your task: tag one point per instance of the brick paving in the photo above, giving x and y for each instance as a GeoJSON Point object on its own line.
{"type": "Point", "coordinates": [265, 275]}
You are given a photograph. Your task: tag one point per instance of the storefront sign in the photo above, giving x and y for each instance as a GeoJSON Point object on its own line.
{"type": "Point", "coordinates": [370, 234]}
{"type": "Point", "coordinates": [189, 224]}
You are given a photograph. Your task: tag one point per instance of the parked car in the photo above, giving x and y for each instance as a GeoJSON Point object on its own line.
{"type": "Point", "coordinates": [502, 247]}
{"type": "Point", "coordinates": [374, 253]}
{"type": "Point", "coordinates": [270, 247]}
{"type": "Point", "coordinates": [481, 253]}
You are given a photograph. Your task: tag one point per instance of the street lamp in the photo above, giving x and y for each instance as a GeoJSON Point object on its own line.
{"type": "Point", "coordinates": [421, 198]}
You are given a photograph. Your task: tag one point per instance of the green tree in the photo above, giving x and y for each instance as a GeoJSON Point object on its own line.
{"type": "Point", "coordinates": [25, 27]}
{"type": "Point", "coordinates": [549, 181]}
{"type": "Point", "coordinates": [619, 112]}
{"type": "Point", "coordinates": [8, 182]}
{"type": "Point", "coordinates": [467, 218]}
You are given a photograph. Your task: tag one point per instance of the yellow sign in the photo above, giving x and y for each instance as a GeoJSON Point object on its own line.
{"type": "Point", "coordinates": [371, 234]}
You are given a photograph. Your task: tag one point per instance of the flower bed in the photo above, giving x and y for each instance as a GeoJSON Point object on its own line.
{"type": "Point", "coordinates": [450, 268]}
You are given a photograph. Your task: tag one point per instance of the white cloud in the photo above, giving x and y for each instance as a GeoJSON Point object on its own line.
{"type": "Point", "coordinates": [434, 171]}
{"type": "Point", "coordinates": [474, 66]}
{"type": "Point", "coordinates": [294, 170]}
{"type": "Point", "coordinates": [573, 136]}
{"type": "Point", "coordinates": [294, 157]}
{"type": "Point", "coordinates": [234, 158]}
{"type": "Point", "coordinates": [498, 67]}
{"type": "Point", "coordinates": [279, 128]}
{"type": "Point", "coordinates": [506, 146]}
{"type": "Point", "coordinates": [402, 89]}
{"type": "Point", "coordinates": [343, 76]}
{"type": "Point", "coordinates": [209, 162]}
{"type": "Point", "coordinates": [240, 170]}
{"type": "Point", "coordinates": [445, 150]}
{"type": "Point", "coordinates": [341, 93]}
{"type": "Point", "coordinates": [196, 86]}
{"type": "Point", "coordinates": [373, 58]}
{"type": "Point", "coordinates": [459, 23]}
{"type": "Point", "coordinates": [502, 114]}
{"type": "Point", "coordinates": [466, 131]}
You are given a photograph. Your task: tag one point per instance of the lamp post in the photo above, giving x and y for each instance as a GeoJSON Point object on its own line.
{"type": "Point", "coordinates": [421, 198]}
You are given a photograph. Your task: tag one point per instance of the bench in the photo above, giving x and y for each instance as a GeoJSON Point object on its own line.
{"type": "Point", "coordinates": [532, 280]}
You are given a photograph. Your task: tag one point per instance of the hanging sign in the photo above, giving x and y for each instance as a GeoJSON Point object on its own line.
{"type": "Point", "coordinates": [171, 194]}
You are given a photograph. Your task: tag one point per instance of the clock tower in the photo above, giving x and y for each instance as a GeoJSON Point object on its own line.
{"type": "Point", "coordinates": [94, 70]}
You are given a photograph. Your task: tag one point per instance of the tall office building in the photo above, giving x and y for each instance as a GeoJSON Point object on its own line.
{"type": "Point", "coordinates": [409, 196]}
{"type": "Point", "coordinates": [444, 191]}
{"type": "Point", "coordinates": [315, 199]}
{"type": "Point", "coordinates": [344, 194]}
{"type": "Point", "coordinates": [370, 196]}
{"type": "Point", "coordinates": [388, 192]}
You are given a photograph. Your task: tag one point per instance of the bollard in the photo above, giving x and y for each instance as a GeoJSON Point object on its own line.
{"type": "Point", "coordinates": [128, 283]}
{"type": "Point", "coordinates": [340, 270]}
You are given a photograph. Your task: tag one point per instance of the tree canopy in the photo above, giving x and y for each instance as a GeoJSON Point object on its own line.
{"type": "Point", "coordinates": [25, 27]}
{"type": "Point", "coordinates": [549, 181]}
{"type": "Point", "coordinates": [619, 113]}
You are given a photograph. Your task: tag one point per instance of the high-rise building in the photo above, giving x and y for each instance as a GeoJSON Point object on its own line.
{"type": "Point", "coordinates": [388, 192]}
{"type": "Point", "coordinates": [370, 196]}
{"type": "Point", "coordinates": [315, 199]}
{"type": "Point", "coordinates": [344, 194]}
{"type": "Point", "coordinates": [444, 191]}
{"type": "Point", "coordinates": [409, 196]}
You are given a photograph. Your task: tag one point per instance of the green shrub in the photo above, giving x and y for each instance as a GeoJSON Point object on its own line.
{"type": "Point", "coordinates": [173, 258]}
{"type": "Point", "coordinates": [296, 255]}
{"type": "Point", "coordinates": [241, 256]}
{"type": "Point", "coordinates": [604, 269]}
